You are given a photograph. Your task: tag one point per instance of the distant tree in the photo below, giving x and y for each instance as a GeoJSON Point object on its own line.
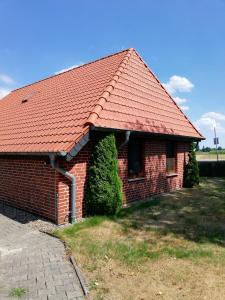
{"type": "Point", "coordinates": [220, 148]}
{"type": "Point", "coordinates": [191, 170]}
{"type": "Point", "coordinates": [207, 149]}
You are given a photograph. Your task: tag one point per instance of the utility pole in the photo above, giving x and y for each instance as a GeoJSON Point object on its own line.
{"type": "Point", "coordinates": [216, 142]}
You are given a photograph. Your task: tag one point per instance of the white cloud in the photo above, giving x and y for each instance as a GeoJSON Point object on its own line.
{"type": "Point", "coordinates": [179, 100]}
{"type": "Point", "coordinates": [6, 79]}
{"type": "Point", "coordinates": [69, 68]}
{"type": "Point", "coordinates": [178, 84]}
{"type": "Point", "coordinates": [206, 124]}
{"type": "Point", "coordinates": [215, 116]}
{"type": "Point", "coordinates": [184, 107]}
{"type": "Point", "coordinates": [3, 92]}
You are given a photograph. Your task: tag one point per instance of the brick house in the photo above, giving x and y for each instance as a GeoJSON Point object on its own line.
{"type": "Point", "coordinates": [48, 129]}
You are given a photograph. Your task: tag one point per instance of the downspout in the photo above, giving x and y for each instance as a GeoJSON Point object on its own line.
{"type": "Point", "coordinates": [72, 178]}
{"type": "Point", "coordinates": [197, 144]}
{"type": "Point", "coordinates": [127, 138]}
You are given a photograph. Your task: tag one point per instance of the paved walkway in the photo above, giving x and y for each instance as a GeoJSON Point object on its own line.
{"type": "Point", "coordinates": [35, 261]}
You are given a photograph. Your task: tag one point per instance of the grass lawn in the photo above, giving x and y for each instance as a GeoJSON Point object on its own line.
{"type": "Point", "coordinates": [171, 247]}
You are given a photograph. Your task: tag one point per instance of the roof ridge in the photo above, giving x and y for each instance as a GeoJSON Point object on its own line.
{"type": "Point", "coordinates": [83, 65]}
{"type": "Point", "coordinates": [167, 92]}
{"type": "Point", "coordinates": [108, 89]}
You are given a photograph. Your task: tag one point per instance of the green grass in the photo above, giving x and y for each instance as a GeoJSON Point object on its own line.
{"type": "Point", "coordinates": [197, 215]}
{"type": "Point", "coordinates": [128, 253]}
{"type": "Point", "coordinates": [17, 292]}
{"type": "Point", "coordinates": [184, 226]}
{"type": "Point", "coordinates": [142, 206]}
{"type": "Point", "coordinates": [88, 223]}
{"type": "Point", "coordinates": [187, 253]}
{"type": "Point", "coordinates": [133, 253]}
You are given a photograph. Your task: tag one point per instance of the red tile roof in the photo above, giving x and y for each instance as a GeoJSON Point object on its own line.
{"type": "Point", "coordinates": [118, 91]}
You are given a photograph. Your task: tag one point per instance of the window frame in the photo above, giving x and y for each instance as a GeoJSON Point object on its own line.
{"type": "Point", "coordinates": [171, 158]}
{"type": "Point", "coordinates": [141, 173]}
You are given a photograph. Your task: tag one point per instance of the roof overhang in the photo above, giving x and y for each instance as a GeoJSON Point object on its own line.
{"type": "Point", "coordinates": [68, 155]}
{"type": "Point", "coordinates": [148, 134]}
{"type": "Point", "coordinates": [85, 139]}
{"type": "Point", "coordinates": [60, 153]}
{"type": "Point", "coordinates": [78, 146]}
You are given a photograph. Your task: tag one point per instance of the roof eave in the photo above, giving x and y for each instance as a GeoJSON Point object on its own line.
{"type": "Point", "coordinates": [153, 134]}
{"type": "Point", "coordinates": [58, 153]}
{"type": "Point", "coordinates": [78, 146]}
{"type": "Point", "coordinates": [69, 155]}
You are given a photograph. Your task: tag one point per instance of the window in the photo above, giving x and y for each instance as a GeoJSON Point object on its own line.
{"type": "Point", "coordinates": [170, 158]}
{"type": "Point", "coordinates": [135, 158]}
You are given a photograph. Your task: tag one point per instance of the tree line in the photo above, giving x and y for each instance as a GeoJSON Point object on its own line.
{"type": "Point", "coordinates": [208, 149]}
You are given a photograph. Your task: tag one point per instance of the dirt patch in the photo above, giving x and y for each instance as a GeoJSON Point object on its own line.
{"type": "Point", "coordinates": [31, 220]}
{"type": "Point", "coordinates": [162, 279]}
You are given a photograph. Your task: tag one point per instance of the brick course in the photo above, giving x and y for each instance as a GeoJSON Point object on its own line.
{"type": "Point", "coordinates": [79, 167]}
{"type": "Point", "coordinates": [29, 184]}
{"type": "Point", "coordinates": [155, 180]}
{"type": "Point", "coordinates": [32, 184]}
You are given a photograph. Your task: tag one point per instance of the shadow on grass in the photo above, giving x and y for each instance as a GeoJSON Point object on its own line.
{"type": "Point", "coordinates": [197, 214]}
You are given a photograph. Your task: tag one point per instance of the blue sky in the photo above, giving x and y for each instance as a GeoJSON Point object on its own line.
{"type": "Point", "coordinates": [183, 42]}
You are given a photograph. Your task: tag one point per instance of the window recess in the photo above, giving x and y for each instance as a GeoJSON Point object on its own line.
{"type": "Point", "coordinates": [171, 168]}
{"type": "Point", "coordinates": [135, 158]}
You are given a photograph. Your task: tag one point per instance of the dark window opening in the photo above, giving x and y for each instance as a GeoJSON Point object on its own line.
{"type": "Point", "coordinates": [170, 158]}
{"type": "Point", "coordinates": [135, 158]}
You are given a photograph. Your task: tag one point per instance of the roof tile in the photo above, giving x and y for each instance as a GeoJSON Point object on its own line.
{"type": "Point", "coordinates": [54, 116]}
{"type": "Point", "coordinates": [118, 91]}
{"type": "Point", "coordinates": [139, 102]}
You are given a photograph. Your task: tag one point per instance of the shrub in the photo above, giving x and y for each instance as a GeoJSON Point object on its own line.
{"type": "Point", "coordinates": [103, 193]}
{"type": "Point", "coordinates": [191, 170]}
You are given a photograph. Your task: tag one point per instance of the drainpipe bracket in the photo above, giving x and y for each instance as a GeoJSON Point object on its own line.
{"type": "Point", "coordinates": [127, 138]}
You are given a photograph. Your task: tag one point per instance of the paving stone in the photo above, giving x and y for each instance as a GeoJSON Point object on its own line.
{"type": "Point", "coordinates": [73, 295]}
{"type": "Point", "coordinates": [35, 261]}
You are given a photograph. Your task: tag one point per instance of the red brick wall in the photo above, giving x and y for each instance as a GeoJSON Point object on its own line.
{"type": "Point", "coordinates": [79, 167]}
{"type": "Point", "coordinates": [33, 185]}
{"type": "Point", "coordinates": [155, 180]}
{"type": "Point", "coordinates": [29, 184]}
